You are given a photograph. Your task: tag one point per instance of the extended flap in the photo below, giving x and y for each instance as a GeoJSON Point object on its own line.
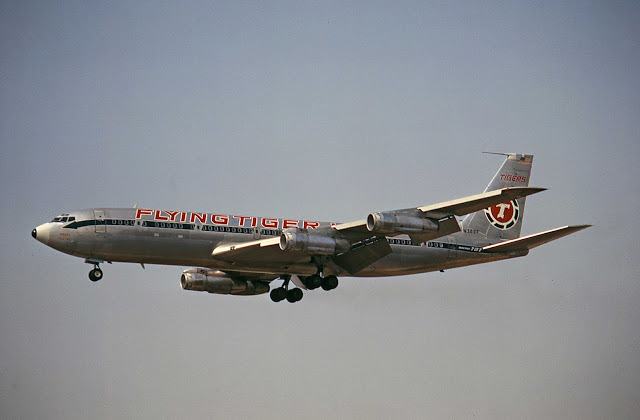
{"type": "Point", "coordinates": [363, 254]}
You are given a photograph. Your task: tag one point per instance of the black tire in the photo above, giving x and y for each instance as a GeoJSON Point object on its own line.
{"type": "Point", "coordinates": [95, 274]}
{"type": "Point", "coordinates": [313, 282]}
{"type": "Point", "coordinates": [294, 295]}
{"type": "Point", "coordinates": [278, 294]}
{"type": "Point", "coordinates": [329, 283]}
{"type": "Point", "coordinates": [298, 294]}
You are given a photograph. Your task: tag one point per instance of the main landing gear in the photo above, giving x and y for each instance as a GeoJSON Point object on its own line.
{"type": "Point", "coordinates": [315, 281]}
{"type": "Point", "coordinates": [312, 282]}
{"type": "Point", "coordinates": [282, 293]}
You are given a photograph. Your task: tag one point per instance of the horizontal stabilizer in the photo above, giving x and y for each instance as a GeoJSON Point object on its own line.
{"type": "Point", "coordinates": [532, 241]}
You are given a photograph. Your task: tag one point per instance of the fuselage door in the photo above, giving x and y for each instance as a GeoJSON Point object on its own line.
{"type": "Point", "coordinates": [453, 252]}
{"type": "Point", "coordinates": [101, 227]}
{"type": "Point", "coordinates": [256, 233]}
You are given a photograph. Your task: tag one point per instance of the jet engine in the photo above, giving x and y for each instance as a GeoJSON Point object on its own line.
{"type": "Point", "coordinates": [203, 280]}
{"type": "Point", "coordinates": [388, 223]}
{"type": "Point", "coordinates": [301, 240]}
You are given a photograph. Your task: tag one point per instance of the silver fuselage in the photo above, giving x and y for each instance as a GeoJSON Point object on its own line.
{"type": "Point", "coordinates": [188, 239]}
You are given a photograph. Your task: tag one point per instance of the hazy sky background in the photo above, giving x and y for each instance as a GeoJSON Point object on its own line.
{"type": "Point", "coordinates": [329, 111]}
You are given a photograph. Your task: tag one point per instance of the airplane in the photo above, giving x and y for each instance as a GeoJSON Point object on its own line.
{"type": "Point", "coordinates": [242, 255]}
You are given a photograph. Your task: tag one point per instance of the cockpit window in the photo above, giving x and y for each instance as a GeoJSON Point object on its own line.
{"type": "Point", "coordinates": [72, 219]}
{"type": "Point", "coordinates": [62, 218]}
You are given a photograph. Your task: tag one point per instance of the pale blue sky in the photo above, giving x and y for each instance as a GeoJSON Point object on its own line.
{"type": "Point", "coordinates": [328, 111]}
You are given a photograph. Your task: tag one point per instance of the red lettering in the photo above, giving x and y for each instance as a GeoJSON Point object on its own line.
{"type": "Point", "coordinates": [159, 217]}
{"type": "Point", "coordinates": [310, 225]}
{"type": "Point", "coordinates": [270, 223]}
{"type": "Point", "coordinates": [254, 222]}
{"type": "Point", "coordinates": [202, 217]}
{"type": "Point", "coordinates": [287, 223]}
{"type": "Point", "coordinates": [143, 212]}
{"type": "Point", "coordinates": [242, 219]}
{"type": "Point", "coordinates": [172, 215]}
{"type": "Point", "coordinates": [513, 178]}
{"type": "Point", "coordinates": [183, 217]}
{"type": "Point", "coordinates": [219, 219]}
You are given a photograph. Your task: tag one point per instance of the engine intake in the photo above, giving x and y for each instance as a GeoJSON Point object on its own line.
{"type": "Point", "coordinates": [301, 240]}
{"type": "Point", "coordinates": [388, 223]}
{"type": "Point", "coordinates": [203, 280]}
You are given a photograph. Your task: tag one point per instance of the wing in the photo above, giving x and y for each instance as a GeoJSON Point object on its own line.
{"type": "Point", "coordinates": [355, 245]}
{"type": "Point", "coordinates": [442, 215]}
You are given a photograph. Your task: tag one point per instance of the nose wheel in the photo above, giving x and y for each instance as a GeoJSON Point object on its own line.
{"type": "Point", "coordinates": [96, 273]}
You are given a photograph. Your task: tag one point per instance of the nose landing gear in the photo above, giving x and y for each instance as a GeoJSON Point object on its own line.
{"type": "Point", "coordinates": [96, 273]}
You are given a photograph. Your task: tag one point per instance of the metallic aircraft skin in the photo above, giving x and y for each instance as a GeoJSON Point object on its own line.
{"type": "Point", "coordinates": [259, 250]}
{"type": "Point", "coordinates": [137, 243]}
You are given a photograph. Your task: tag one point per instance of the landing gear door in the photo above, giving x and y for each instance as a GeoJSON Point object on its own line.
{"type": "Point", "coordinates": [101, 226]}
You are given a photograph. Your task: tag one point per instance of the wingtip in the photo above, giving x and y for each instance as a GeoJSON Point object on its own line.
{"type": "Point", "coordinates": [527, 190]}
{"type": "Point", "coordinates": [538, 189]}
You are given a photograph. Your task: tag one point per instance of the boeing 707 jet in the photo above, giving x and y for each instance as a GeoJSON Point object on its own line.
{"type": "Point", "coordinates": [242, 255]}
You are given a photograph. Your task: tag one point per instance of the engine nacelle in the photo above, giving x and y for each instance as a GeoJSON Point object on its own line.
{"type": "Point", "coordinates": [203, 280]}
{"type": "Point", "coordinates": [301, 240]}
{"type": "Point", "coordinates": [387, 223]}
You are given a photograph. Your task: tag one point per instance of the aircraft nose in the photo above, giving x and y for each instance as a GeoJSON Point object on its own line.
{"type": "Point", "coordinates": [41, 233]}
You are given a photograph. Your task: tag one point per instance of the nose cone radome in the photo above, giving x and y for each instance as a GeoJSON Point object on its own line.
{"type": "Point", "coordinates": [41, 233]}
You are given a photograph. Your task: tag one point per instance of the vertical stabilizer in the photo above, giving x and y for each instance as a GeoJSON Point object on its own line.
{"type": "Point", "coordinates": [503, 221]}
